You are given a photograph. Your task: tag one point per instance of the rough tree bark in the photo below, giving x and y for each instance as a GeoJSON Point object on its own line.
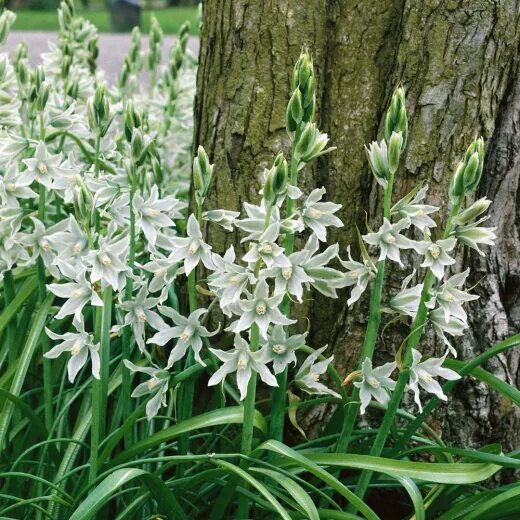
{"type": "Point", "coordinates": [459, 64]}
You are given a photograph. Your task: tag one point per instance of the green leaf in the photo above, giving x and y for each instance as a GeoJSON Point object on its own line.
{"type": "Point", "coordinates": [254, 483]}
{"type": "Point", "coordinates": [295, 491]}
{"type": "Point", "coordinates": [231, 415]}
{"type": "Point", "coordinates": [442, 473]}
{"type": "Point", "coordinates": [25, 292]}
{"type": "Point", "coordinates": [23, 362]}
{"type": "Point", "coordinates": [294, 401]}
{"type": "Point", "coordinates": [489, 379]}
{"type": "Point", "coordinates": [100, 495]}
{"type": "Point", "coordinates": [311, 466]}
{"type": "Point", "coordinates": [415, 495]}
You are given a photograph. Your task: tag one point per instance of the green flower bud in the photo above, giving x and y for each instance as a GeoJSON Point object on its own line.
{"type": "Point", "coordinates": [198, 181]}
{"type": "Point", "coordinates": [72, 88]}
{"type": "Point", "coordinates": [124, 74]}
{"type": "Point", "coordinates": [39, 77]}
{"type": "Point", "coordinates": [280, 174]}
{"type": "Point", "coordinates": [457, 182]}
{"type": "Point", "coordinates": [479, 207]}
{"type": "Point", "coordinates": [205, 166]}
{"type": "Point", "coordinates": [295, 106]}
{"type": "Point", "coordinates": [377, 154]}
{"type": "Point", "coordinates": [395, 146]}
{"type": "Point", "coordinates": [396, 119]}
{"type": "Point", "coordinates": [474, 163]}
{"type": "Point", "coordinates": [137, 144]}
{"type": "Point", "coordinates": [6, 20]}
{"type": "Point", "coordinates": [43, 96]}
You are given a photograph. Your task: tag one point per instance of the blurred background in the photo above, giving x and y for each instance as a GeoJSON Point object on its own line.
{"type": "Point", "coordinates": [107, 15]}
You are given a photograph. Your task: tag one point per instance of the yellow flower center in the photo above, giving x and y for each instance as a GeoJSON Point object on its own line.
{"type": "Point", "coordinates": [77, 247]}
{"type": "Point", "coordinates": [193, 248]}
{"type": "Point", "coordinates": [185, 336]}
{"type": "Point", "coordinates": [315, 213]}
{"type": "Point", "coordinates": [151, 212]}
{"type": "Point", "coordinates": [152, 383]}
{"type": "Point", "coordinates": [141, 316]}
{"type": "Point", "coordinates": [450, 298]}
{"type": "Point", "coordinates": [42, 168]}
{"type": "Point", "coordinates": [435, 251]}
{"type": "Point", "coordinates": [373, 382]}
{"type": "Point", "coordinates": [242, 364]}
{"type": "Point", "coordinates": [105, 260]}
{"type": "Point", "coordinates": [286, 273]}
{"type": "Point", "coordinates": [78, 293]}
{"type": "Point", "coordinates": [11, 186]}
{"type": "Point", "coordinates": [159, 273]}
{"type": "Point", "coordinates": [45, 246]}
{"type": "Point", "coordinates": [278, 348]}
{"type": "Point", "coordinates": [390, 239]}
{"type": "Point", "coordinates": [426, 377]}
{"type": "Point", "coordinates": [267, 249]}
{"type": "Point", "coordinates": [315, 377]}
{"type": "Point", "coordinates": [234, 279]}
{"type": "Point", "coordinates": [76, 348]}
{"type": "Point", "coordinates": [260, 309]}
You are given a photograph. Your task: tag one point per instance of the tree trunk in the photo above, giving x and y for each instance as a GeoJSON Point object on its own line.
{"type": "Point", "coordinates": [458, 62]}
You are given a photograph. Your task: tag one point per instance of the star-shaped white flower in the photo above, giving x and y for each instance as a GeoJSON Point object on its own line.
{"type": "Point", "coordinates": [375, 383]}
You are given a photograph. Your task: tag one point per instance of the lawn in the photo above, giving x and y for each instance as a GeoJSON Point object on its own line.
{"type": "Point", "coordinates": [170, 19]}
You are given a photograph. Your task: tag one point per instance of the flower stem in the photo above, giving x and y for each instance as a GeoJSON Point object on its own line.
{"type": "Point", "coordinates": [247, 421]}
{"type": "Point", "coordinates": [9, 293]}
{"type": "Point", "coordinates": [127, 331]}
{"type": "Point", "coordinates": [278, 394]}
{"type": "Point", "coordinates": [100, 386]}
{"type": "Point", "coordinates": [369, 342]}
{"type": "Point", "coordinates": [413, 341]}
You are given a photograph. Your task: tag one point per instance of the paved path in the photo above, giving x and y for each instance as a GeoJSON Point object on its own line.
{"type": "Point", "coordinates": [112, 47]}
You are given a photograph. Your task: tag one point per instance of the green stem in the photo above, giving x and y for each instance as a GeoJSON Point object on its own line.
{"type": "Point", "coordinates": [42, 293]}
{"type": "Point", "coordinates": [247, 423]}
{"type": "Point", "coordinates": [100, 386]}
{"type": "Point", "coordinates": [279, 393]}
{"type": "Point", "coordinates": [9, 294]}
{"type": "Point", "coordinates": [413, 342]}
{"type": "Point", "coordinates": [127, 331]}
{"type": "Point", "coordinates": [369, 342]}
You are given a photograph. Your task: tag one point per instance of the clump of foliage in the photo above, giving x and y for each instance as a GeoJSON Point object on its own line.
{"type": "Point", "coordinates": [122, 400]}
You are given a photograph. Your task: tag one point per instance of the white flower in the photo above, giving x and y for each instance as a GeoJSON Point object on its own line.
{"type": "Point", "coordinates": [192, 249]}
{"type": "Point", "coordinates": [70, 245]}
{"type": "Point", "coordinates": [450, 299]}
{"type": "Point", "coordinates": [242, 361]}
{"type": "Point", "coordinates": [376, 383]}
{"type": "Point", "coordinates": [390, 241]}
{"type": "Point", "coordinates": [411, 207]}
{"type": "Point", "coordinates": [223, 217]}
{"type": "Point", "coordinates": [80, 344]}
{"type": "Point", "coordinates": [282, 348]}
{"type": "Point", "coordinates": [229, 280]}
{"type": "Point", "coordinates": [189, 331]}
{"type": "Point", "coordinates": [157, 385]}
{"type": "Point", "coordinates": [261, 309]}
{"type": "Point", "coordinates": [139, 312]}
{"type": "Point", "coordinates": [422, 376]}
{"type": "Point", "coordinates": [78, 293]}
{"type": "Point", "coordinates": [290, 278]}
{"type": "Point", "coordinates": [453, 326]}
{"type": "Point", "coordinates": [43, 167]}
{"type": "Point", "coordinates": [319, 215]}
{"type": "Point", "coordinates": [308, 376]}
{"type": "Point", "coordinates": [13, 188]}
{"type": "Point", "coordinates": [436, 255]}
{"type": "Point", "coordinates": [407, 301]}
{"type": "Point", "coordinates": [267, 250]}
{"type": "Point", "coordinates": [472, 235]}
{"type": "Point", "coordinates": [108, 262]}
{"type": "Point", "coordinates": [324, 279]}
{"type": "Point", "coordinates": [255, 223]}
{"type": "Point", "coordinates": [358, 275]}
{"type": "Point", "coordinates": [164, 272]}
{"type": "Point", "coordinates": [153, 213]}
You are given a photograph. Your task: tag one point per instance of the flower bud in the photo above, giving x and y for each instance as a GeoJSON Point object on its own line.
{"type": "Point", "coordinates": [39, 77]}
{"type": "Point", "coordinates": [479, 207]}
{"type": "Point", "coordinates": [280, 173]}
{"type": "Point", "coordinates": [43, 96]}
{"type": "Point", "coordinates": [377, 154]}
{"type": "Point", "coordinates": [395, 146]}
{"type": "Point", "coordinates": [396, 119]}
{"type": "Point", "coordinates": [469, 170]}
{"type": "Point", "coordinates": [295, 107]}
{"type": "Point", "coordinates": [457, 182]}
{"type": "Point", "coordinates": [137, 144]}
{"type": "Point", "coordinates": [6, 20]}
{"type": "Point", "coordinates": [198, 181]}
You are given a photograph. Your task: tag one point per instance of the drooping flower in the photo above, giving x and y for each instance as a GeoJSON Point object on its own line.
{"type": "Point", "coordinates": [473, 234]}
{"type": "Point", "coordinates": [412, 207]}
{"type": "Point", "coordinates": [157, 385]}
{"type": "Point", "coordinates": [189, 330]}
{"type": "Point", "coordinates": [13, 188]}
{"type": "Point", "coordinates": [389, 240]}
{"type": "Point", "coordinates": [310, 372]}
{"type": "Point", "coordinates": [192, 249]}
{"type": "Point", "coordinates": [318, 215]}
{"type": "Point", "coordinates": [454, 327]}
{"type": "Point", "coordinates": [375, 383]}
{"type": "Point", "coordinates": [242, 361]}
{"type": "Point", "coordinates": [422, 375]}
{"type": "Point", "coordinates": [358, 275]}
{"type": "Point", "coordinates": [406, 302]}
{"type": "Point", "coordinates": [223, 217]}
{"type": "Point", "coordinates": [163, 270]}
{"type": "Point", "coordinates": [450, 298]}
{"type": "Point", "coordinates": [80, 344]}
